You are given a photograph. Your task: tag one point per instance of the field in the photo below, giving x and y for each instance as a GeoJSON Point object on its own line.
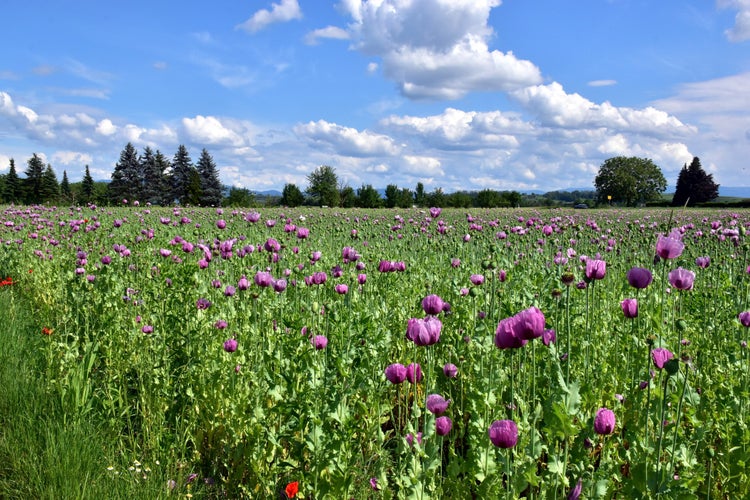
{"type": "Point", "coordinates": [329, 353]}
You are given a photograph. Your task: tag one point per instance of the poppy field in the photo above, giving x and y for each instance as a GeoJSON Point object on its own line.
{"type": "Point", "coordinates": [413, 353]}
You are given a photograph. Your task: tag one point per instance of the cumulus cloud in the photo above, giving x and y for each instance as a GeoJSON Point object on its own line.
{"type": "Point", "coordinates": [72, 158]}
{"type": "Point", "coordinates": [437, 49]}
{"type": "Point", "coordinates": [281, 12]}
{"type": "Point", "coordinates": [457, 129]}
{"type": "Point", "coordinates": [346, 140]}
{"type": "Point", "coordinates": [554, 107]}
{"type": "Point", "coordinates": [210, 130]}
{"type": "Point", "coordinates": [330, 32]}
{"type": "Point", "coordinates": [740, 32]}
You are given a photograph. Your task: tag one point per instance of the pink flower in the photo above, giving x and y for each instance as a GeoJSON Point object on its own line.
{"type": "Point", "coordinates": [660, 356]}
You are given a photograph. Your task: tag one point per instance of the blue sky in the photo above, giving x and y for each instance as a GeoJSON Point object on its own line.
{"type": "Point", "coordinates": [456, 94]}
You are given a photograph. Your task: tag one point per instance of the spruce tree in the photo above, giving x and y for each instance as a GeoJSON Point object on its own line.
{"type": "Point", "coordinates": [182, 176]}
{"type": "Point", "coordinates": [126, 178]}
{"type": "Point", "coordinates": [33, 182]}
{"type": "Point", "coordinates": [155, 188]}
{"type": "Point", "coordinates": [87, 187]}
{"type": "Point", "coordinates": [292, 196]}
{"type": "Point", "coordinates": [50, 188]}
{"type": "Point", "coordinates": [694, 185]}
{"type": "Point", "coordinates": [65, 191]}
{"type": "Point", "coordinates": [211, 188]}
{"type": "Point", "coordinates": [13, 192]}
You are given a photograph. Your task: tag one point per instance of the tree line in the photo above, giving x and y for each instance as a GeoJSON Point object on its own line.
{"type": "Point", "coordinates": [152, 178]}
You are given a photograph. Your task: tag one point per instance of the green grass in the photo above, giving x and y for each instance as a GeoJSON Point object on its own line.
{"type": "Point", "coordinates": [42, 454]}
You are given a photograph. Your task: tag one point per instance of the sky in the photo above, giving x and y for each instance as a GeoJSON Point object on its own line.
{"type": "Point", "coordinates": [455, 94]}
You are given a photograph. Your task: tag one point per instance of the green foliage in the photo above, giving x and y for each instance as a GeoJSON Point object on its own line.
{"type": "Point", "coordinates": [322, 187]}
{"type": "Point", "coordinates": [32, 184]}
{"type": "Point", "coordinates": [239, 197]}
{"type": "Point", "coordinates": [183, 179]}
{"type": "Point", "coordinates": [126, 183]}
{"type": "Point", "coordinates": [292, 196]}
{"type": "Point", "coordinates": [13, 186]}
{"type": "Point", "coordinates": [86, 194]}
{"type": "Point", "coordinates": [211, 188]}
{"type": "Point", "coordinates": [368, 197]}
{"type": "Point", "coordinates": [629, 180]}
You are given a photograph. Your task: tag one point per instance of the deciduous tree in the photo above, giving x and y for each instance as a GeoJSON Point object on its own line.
{"type": "Point", "coordinates": [629, 180]}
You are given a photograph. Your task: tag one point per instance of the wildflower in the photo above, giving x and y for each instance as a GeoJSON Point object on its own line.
{"type": "Point", "coordinates": [279, 285]}
{"type": "Point", "coordinates": [476, 279]}
{"type": "Point", "coordinates": [292, 489]}
{"type": "Point", "coordinates": [703, 262]}
{"type": "Point", "coordinates": [506, 336]}
{"type": "Point", "coordinates": [660, 356]}
{"type": "Point", "coordinates": [575, 493]}
{"type": "Point", "coordinates": [604, 422]}
{"type": "Point", "coordinates": [435, 212]}
{"type": "Point", "coordinates": [432, 304]}
{"type": "Point", "coordinates": [744, 318]}
{"type": "Point", "coordinates": [319, 342]}
{"type": "Point", "coordinates": [443, 425]}
{"type": "Point", "coordinates": [395, 373]}
{"type": "Point", "coordinates": [47, 330]}
{"type": "Point", "coordinates": [374, 484]}
{"type": "Point", "coordinates": [682, 279]}
{"type": "Point", "coordinates": [413, 373]}
{"type": "Point", "coordinates": [503, 433]}
{"type": "Point", "coordinates": [639, 277]}
{"type": "Point", "coordinates": [230, 345]}
{"type": "Point", "coordinates": [424, 332]}
{"type": "Point", "coordinates": [147, 329]}
{"type": "Point", "coordinates": [202, 303]}
{"type": "Point", "coordinates": [669, 247]}
{"type": "Point", "coordinates": [529, 323]}
{"type": "Point", "coordinates": [595, 269]}
{"type": "Point", "coordinates": [629, 308]}
{"type": "Point", "coordinates": [220, 324]}
{"type": "Point", "coordinates": [341, 289]}
{"type": "Point", "coordinates": [229, 291]}
{"type": "Point", "coordinates": [410, 438]}
{"type": "Point", "coordinates": [450, 370]}
{"type": "Point", "coordinates": [437, 404]}
{"type": "Point", "coordinates": [548, 337]}
{"type": "Point", "coordinates": [243, 283]}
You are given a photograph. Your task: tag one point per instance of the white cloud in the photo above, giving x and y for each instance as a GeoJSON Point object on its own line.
{"type": "Point", "coordinates": [602, 83]}
{"type": "Point", "coordinates": [72, 158]}
{"type": "Point", "coordinates": [347, 141]}
{"type": "Point", "coordinates": [209, 130]}
{"type": "Point", "coordinates": [740, 32]}
{"type": "Point", "coordinates": [329, 32]}
{"type": "Point", "coordinates": [422, 166]}
{"type": "Point", "coordinates": [554, 107]}
{"type": "Point", "coordinates": [284, 11]}
{"type": "Point", "coordinates": [437, 49]}
{"type": "Point", "coordinates": [106, 127]}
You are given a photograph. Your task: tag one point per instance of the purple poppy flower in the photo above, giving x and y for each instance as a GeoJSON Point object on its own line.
{"type": "Point", "coordinates": [443, 426]}
{"type": "Point", "coordinates": [548, 337]}
{"type": "Point", "coordinates": [374, 484]}
{"type": "Point", "coordinates": [660, 356]}
{"type": "Point", "coordinates": [106, 260]}
{"type": "Point", "coordinates": [529, 323]}
{"type": "Point", "coordinates": [341, 289]}
{"type": "Point", "coordinates": [476, 279]}
{"type": "Point", "coordinates": [669, 247]}
{"type": "Point", "coordinates": [230, 345]}
{"type": "Point", "coordinates": [243, 283]}
{"type": "Point", "coordinates": [319, 342]}
{"type": "Point", "coordinates": [424, 332]}
{"type": "Point", "coordinates": [435, 212]}
{"type": "Point", "coordinates": [229, 291]}
{"type": "Point", "coordinates": [410, 438]}
{"type": "Point", "coordinates": [395, 373]}
{"type": "Point", "coordinates": [604, 421]}
{"type": "Point", "coordinates": [361, 278]}
{"type": "Point", "coordinates": [744, 318]}
{"type": "Point", "coordinates": [221, 223]}
{"type": "Point", "coordinates": [302, 233]}
{"type": "Point", "coordinates": [450, 370]}
{"type": "Point", "coordinates": [682, 279]}
{"type": "Point", "coordinates": [506, 336]}
{"type": "Point", "coordinates": [263, 279]}
{"type": "Point", "coordinates": [575, 493]}
{"type": "Point", "coordinates": [595, 269]}
{"type": "Point", "coordinates": [202, 303]}
{"type": "Point", "coordinates": [703, 262]}
{"type": "Point", "coordinates": [639, 277]}
{"type": "Point", "coordinates": [220, 324]}
{"type": "Point", "coordinates": [503, 433]}
{"type": "Point", "coordinates": [432, 304]}
{"type": "Point", "coordinates": [147, 329]}
{"type": "Point", "coordinates": [413, 373]}
{"type": "Point", "coordinates": [437, 404]}
{"type": "Point", "coordinates": [630, 308]}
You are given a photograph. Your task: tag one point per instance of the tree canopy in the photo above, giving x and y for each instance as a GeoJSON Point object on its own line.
{"type": "Point", "coordinates": [694, 185]}
{"type": "Point", "coordinates": [322, 186]}
{"type": "Point", "coordinates": [629, 180]}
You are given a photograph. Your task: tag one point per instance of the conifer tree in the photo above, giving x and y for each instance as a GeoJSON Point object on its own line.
{"type": "Point", "coordinates": [182, 176]}
{"type": "Point", "coordinates": [65, 191]}
{"type": "Point", "coordinates": [155, 187]}
{"type": "Point", "coordinates": [126, 178]}
{"type": "Point", "coordinates": [33, 182]}
{"type": "Point", "coordinates": [50, 188]}
{"type": "Point", "coordinates": [13, 191]}
{"type": "Point", "coordinates": [87, 187]}
{"type": "Point", "coordinates": [694, 185]}
{"type": "Point", "coordinates": [210, 184]}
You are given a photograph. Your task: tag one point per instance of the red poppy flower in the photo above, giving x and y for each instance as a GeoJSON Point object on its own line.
{"type": "Point", "coordinates": [48, 331]}
{"type": "Point", "coordinates": [292, 489]}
